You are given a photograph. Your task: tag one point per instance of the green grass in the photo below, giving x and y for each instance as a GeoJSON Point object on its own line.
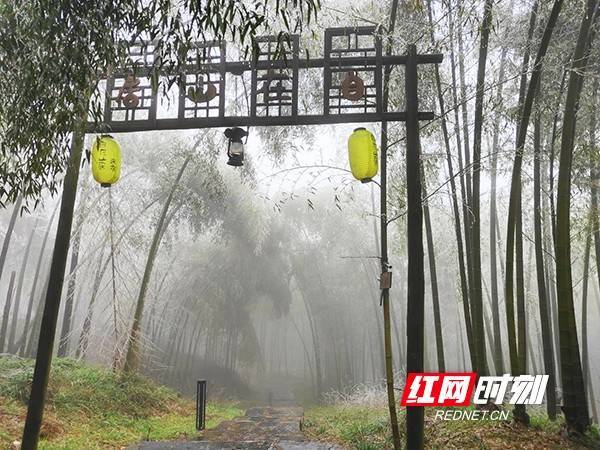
{"type": "Point", "coordinates": [94, 408]}
{"type": "Point", "coordinates": [361, 427]}
{"type": "Point", "coordinates": [366, 428]}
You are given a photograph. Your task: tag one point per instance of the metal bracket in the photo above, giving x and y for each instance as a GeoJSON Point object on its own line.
{"type": "Point", "coordinates": [385, 281]}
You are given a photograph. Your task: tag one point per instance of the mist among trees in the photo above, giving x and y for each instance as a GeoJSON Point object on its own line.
{"type": "Point", "coordinates": [265, 278]}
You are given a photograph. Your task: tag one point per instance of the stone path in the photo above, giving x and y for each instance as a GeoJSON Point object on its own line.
{"type": "Point", "coordinates": [261, 428]}
{"type": "Point", "coordinates": [261, 424]}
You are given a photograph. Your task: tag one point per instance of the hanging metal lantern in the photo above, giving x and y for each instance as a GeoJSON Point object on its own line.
{"type": "Point", "coordinates": [235, 146]}
{"type": "Point", "coordinates": [362, 153]}
{"type": "Point", "coordinates": [106, 160]}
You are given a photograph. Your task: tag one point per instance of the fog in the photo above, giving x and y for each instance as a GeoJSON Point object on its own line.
{"type": "Point", "coordinates": [264, 279]}
{"type": "Point", "coordinates": [265, 276]}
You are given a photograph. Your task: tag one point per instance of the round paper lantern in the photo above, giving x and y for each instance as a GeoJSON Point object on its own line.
{"type": "Point", "coordinates": [362, 153]}
{"type": "Point", "coordinates": [106, 161]}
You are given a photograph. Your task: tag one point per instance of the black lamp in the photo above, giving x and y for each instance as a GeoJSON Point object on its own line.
{"type": "Point", "coordinates": [235, 147]}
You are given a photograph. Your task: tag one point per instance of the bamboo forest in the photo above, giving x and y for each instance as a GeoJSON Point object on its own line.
{"type": "Point", "coordinates": [299, 224]}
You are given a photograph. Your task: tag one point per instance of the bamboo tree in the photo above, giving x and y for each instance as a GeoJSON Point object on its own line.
{"type": "Point", "coordinates": [399, 323]}
{"type": "Point", "coordinates": [589, 386]}
{"type": "Point", "coordinates": [315, 339]}
{"type": "Point", "coordinates": [385, 297]}
{"type": "Point", "coordinates": [550, 231]}
{"type": "Point", "coordinates": [514, 235]}
{"type": "Point", "coordinates": [84, 337]}
{"type": "Point", "coordinates": [435, 297]}
{"type": "Point", "coordinates": [514, 242]}
{"type": "Point", "coordinates": [463, 169]}
{"type": "Point", "coordinates": [34, 332]}
{"type": "Point", "coordinates": [461, 344]}
{"type": "Point", "coordinates": [6, 313]}
{"type": "Point", "coordinates": [13, 326]}
{"type": "Point", "coordinates": [369, 274]}
{"type": "Point", "coordinates": [547, 344]}
{"type": "Point", "coordinates": [100, 271]}
{"type": "Point", "coordinates": [117, 355]}
{"type": "Point", "coordinates": [464, 107]}
{"type": "Point", "coordinates": [551, 284]}
{"type": "Point", "coordinates": [476, 290]}
{"type": "Point", "coordinates": [9, 231]}
{"type": "Point", "coordinates": [307, 357]}
{"type": "Point", "coordinates": [68, 311]}
{"type": "Point", "coordinates": [495, 301]}
{"type": "Point", "coordinates": [385, 266]}
{"type": "Point", "coordinates": [595, 224]}
{"type": "Point", "coordinates": [132, 356]}
{"type": "Point", "coordinates": [22, 343]}
{"type": "Point", "coordinates": [464, 288]}
{"type": "Point", "coordinates": [595, 178]}
{"type": "Point", "coordinates": [550, 281]}
{"type": "Point", "coordinates": [487, 321]}
{"type": "Point", "coordinates": [399, 337]}
{"type": "Point", "coordinates": [555, 134]}
{"type": "Point", "coordinates": [379, 331]}
{"type": "Point", "coordinates": [520, 413]}
{"type": "Point", "coordinates": [574, 399]}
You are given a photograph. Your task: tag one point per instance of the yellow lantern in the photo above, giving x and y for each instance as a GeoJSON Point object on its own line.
{"type": "Point", "coordinates": [106, 160]}
{"type": "Point", "coordinates": [362, 152]}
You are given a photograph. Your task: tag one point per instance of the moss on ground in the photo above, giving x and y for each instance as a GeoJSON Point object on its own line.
{"type": "Point", "coordinates": [367, 428]}
{"type": "Point", "coordinates": [94, 408]}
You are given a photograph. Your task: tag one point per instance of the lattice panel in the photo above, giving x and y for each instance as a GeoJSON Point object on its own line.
{"type": "Point", "coordinates": [352, 72]}
{"type": "Point", "coordinates": [274, 90]}
{"type": "Point", "coordinates": [129, 95]}
{"type": "Point", "coordinates": [203, 86]}
{"type": "Point", "coordinates": [131, 98]}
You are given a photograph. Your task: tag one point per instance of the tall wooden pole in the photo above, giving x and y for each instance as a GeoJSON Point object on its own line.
{"type": "Point", "coordinates": [43, 359]}
{"type": "Point", "coordinates": [416, 280]}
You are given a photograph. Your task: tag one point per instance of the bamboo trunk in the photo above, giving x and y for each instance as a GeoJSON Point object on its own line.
{"type": "Point", "coordinates": [22, 343]}
{"type": "Point", "coordinates": [132, 356]}
{"type": "Point", "coordinates": [476, 287]}
{"type": "Point", "coordinates": [547, 343]}
{"type": "Point", "coordinates": [464, 287]}
{"type": "Point", "coordinates": [574, 399]}
{"type": "Point", "coordinates": [12, 348]}
{"type": "Point", "coordinates": [9, 231]}
{"type": "Point", "coordinates": [435, 297]}
{"type": "Point", "coordinates": [6, 313]}
{"type": "Point", "coordinates": [66, 324]}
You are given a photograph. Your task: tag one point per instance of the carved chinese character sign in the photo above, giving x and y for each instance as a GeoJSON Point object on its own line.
{"type": "Point", "coordinates": [127, 94]}
{"type": "Point", "coordinates": [213, 92]}
{"type": "Point", "coordinates": [353, 87]}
